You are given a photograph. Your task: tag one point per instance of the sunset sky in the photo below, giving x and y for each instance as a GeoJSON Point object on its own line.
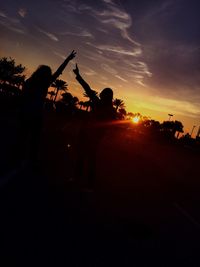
{"type": "Point", "coordinates": [148, 52]}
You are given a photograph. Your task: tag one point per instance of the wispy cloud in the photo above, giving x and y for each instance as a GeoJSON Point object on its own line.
{"type": "Point", "coordinates": [3, 15]}
{"type": "Point", "coordinates": [82, 33]}
{"type": "Point", "coordinates": [138, 67]}
{"type": "Point", "coordinates": [119, 50]}
{"type": "Point", "coordinates": [117, 18]}
{"type": "Point", "coordinates": [108, 69]}
{"type": "Point", "coordinates": [48, 34]}
{"type": "Point", "coordinates": [59, 55]}
{"type": "Point", "coordinates": [22, 12]}
{"type": "Point", "coordinates": [89, 72]}
{"type": "Point", "coordinates": [97, 56]}
{"type": "Point", "coordinates": [175, 106]}
{"type": "Point", "coordinates": [11, 23]}
{"type": "Point", "coordinates": [111, 43]}
{"type": "Point", "coordinates": [121, 78]}
{"type": "Point", "coordinates": [108, 1]}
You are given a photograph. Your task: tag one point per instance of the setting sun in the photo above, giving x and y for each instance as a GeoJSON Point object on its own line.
{"type": "Point", "coordinates": [135, 119]}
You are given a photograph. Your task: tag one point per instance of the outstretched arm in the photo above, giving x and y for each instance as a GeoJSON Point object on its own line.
{"type": "Point", "coordinates": [91, 93]}
{"type": "Point", "coordinates": [63, 66]}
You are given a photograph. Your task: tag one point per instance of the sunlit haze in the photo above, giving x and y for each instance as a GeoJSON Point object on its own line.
{"type": "Point", "coordinates": [146, 51]}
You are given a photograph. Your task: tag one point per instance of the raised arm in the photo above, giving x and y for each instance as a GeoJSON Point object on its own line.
{"type": "Point", "coordinates": [91, 93]}
{"type": "Point", "coordinates": [63, 66]}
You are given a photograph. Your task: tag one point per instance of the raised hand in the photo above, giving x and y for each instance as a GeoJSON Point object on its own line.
{"type": "Point", "coordinates": [72, 55]}
{"type": "Point", "coordinates": [76, 70]}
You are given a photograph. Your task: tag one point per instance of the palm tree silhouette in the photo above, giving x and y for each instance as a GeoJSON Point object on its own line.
{"type": "Point", "coordinates": [118, 103]}
{"type": "Point", "coordinates": [59, 85]}
{"type": "Point", "coordinates": [52, 94]}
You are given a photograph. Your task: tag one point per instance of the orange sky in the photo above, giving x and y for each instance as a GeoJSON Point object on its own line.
{"type": "Point", "coordinates": [132, 47]}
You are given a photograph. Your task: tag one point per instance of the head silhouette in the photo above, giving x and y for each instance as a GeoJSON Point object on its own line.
{"type": "Point", "coordinates": [39, 81]}
{"type": "Point", "coordinates": [42, 74]}
{"type": "Point", "coordinates": [106, 96]}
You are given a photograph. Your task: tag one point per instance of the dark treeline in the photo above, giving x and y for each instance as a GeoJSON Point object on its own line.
{"type": "Point", "coordinates": [61, 100]}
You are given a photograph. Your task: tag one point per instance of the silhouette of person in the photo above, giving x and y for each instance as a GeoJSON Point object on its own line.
{"type": "Point", "coordinates": [102, 113]}
{"type": "Point", "coordinates": [33, 97]}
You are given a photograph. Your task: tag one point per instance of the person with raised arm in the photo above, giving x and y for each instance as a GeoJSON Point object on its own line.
{"type": "Point", "coordinates": [34, 92]}
{"type": "Point", "coordinates": [92, 132]}
{"type": "Point", "coordinates": [102, 106]}
{"type": "Point", "coordinates": [36, 87]}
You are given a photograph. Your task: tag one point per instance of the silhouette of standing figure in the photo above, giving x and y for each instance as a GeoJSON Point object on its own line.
{"type": "Point", "coordinates": [33, 96]}
{"type": "Point", "coordinates": [102, 112]}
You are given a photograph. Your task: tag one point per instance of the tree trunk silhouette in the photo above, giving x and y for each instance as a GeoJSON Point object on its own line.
{"type": "Point", "coordinates": [56, 95]}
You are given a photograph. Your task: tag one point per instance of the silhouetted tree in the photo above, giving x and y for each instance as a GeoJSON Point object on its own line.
{"type": "Point", "coordinates": [69, 101]}
{"type": "Point", "coordinates": [178, 127]}
{"type": "Point", "coordinates": [66, 97]}
{"type": "Point", "coordinates": [59, 85]}
{"type": "Point", "coordinates": [152, 124]}
{"type": "Point", "coordinates": [172, 127]}
{"type": "Point", "coordinates": [10, 72]}
{"type": "Point", "coordinates": [87, 105]}
{"type": "Point", "coordinates": [155, 125]}
{"type": "Point", "coordinates": [130, 115]}
{"type": "Point", "coordinates": [75, 101]}
{"type": "Point", "coordinates": [118, 103]}
{"type": "Point", "coordinates": [18, 81]}
{"type": "Point", "coordinates": [52, 94]}
{"type": "Point", "coordinates": [81, 104]}
{"type": "Point", "coordinates": [122, 113]}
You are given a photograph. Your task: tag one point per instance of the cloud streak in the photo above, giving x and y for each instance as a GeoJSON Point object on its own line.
{"type": "Point", "coordinates": [117, 18]}
{"type": "Point", "coordinates": [22, 12]}
{"type": "Point", "coordinates": [11, 23]}
{"type": "Point", "coordinates": [82, 33]}
{"type": "Point", "coordinates": [49, 35]}
{"type": "Point", "coordinates": [118, 50]}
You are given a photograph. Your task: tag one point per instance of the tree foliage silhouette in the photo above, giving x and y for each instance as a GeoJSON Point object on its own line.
{"type": "Point", "coordinates": [11, 73]}
{"type": "Point", "coordinates": [118, 103]}
{"type": "Point", "coordinates": [172, 127]}
{"type": "Point", "coordinates": [69, 100]}
{"type": "Point", "coordinates": [122, 113]}
{"type": "Point", "coordinates": [59, 85]}
{"type": "Point", "coordinates": [52, 94]}
{"type": "Point", "coordinates": [81, 103]}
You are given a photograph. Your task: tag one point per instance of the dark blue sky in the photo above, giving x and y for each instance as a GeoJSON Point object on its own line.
{"type": "Point", "coordinates": [147, 51]}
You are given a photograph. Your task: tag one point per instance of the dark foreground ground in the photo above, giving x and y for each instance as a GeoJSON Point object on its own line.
{"type": "Point", "coordinates": [144, 210]}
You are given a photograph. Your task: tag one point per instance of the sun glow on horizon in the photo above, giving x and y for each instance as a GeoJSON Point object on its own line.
{"type": "Point", "coordinates": [135, 119]}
